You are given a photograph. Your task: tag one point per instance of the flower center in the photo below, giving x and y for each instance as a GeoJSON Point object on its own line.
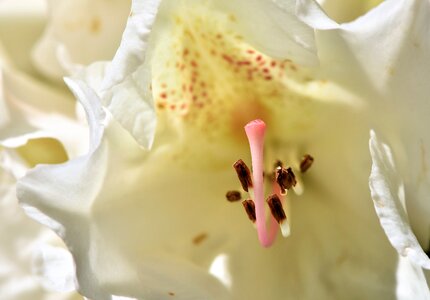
{"type": "Point", "coordinates": [281, 179]}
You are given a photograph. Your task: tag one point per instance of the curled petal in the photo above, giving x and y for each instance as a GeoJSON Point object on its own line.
{"type": "Point", "coordinates": [388, 195]}
{"type": "Point", "coordinates": [127, 83]}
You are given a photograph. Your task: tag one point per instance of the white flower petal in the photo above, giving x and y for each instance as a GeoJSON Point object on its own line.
{"type": "Point", "coordinates": [387, 192]}
{"type": "Point", "coordinates": [132, 51]}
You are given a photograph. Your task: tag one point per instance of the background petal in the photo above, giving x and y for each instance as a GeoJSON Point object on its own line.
{"type": "Point", "coordinates": [79, 33]}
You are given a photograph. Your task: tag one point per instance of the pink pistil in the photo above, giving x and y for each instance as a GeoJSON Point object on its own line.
{"type": "Point", "coordinates": [255, 131]}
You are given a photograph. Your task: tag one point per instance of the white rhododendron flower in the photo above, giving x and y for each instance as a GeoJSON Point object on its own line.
{"type": "Point", "coordinates": [187, 78]}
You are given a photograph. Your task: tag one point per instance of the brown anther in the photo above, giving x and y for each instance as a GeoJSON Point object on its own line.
{"type": "Point", "coordinates": [276, 208]}
{"type": "Point", "coordinates": [285, 178]}
{"type": "Point", "coordinates": [306, 163]}
{"type": "Point", "coordinates": [233, 196]}
{"type": "Point", "coordinates": [244, 174]}
{"type": "Point", "coordinates": [250, 209]}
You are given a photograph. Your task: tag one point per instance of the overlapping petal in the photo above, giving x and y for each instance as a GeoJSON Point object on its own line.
{"type": "Point", "coordinates": [388, 195]}
{"type": "Point", "coordinates": [388, 68]}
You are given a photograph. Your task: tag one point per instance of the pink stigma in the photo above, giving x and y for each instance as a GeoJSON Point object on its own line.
{"type": "Point", "coordinates": [255, 131]}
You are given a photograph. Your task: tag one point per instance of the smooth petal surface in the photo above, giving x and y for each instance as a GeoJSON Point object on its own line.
{"type": "Point", "coordinates": [389, 197]}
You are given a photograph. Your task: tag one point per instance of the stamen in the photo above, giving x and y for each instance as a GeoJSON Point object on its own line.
{"type": "Point", "coordinates": [278, 213]}
{"type": "Point", "coordinates": [285, 178]}
{"type": "Point", "coordinates": [250, 209]}
{"type": "Point", "coordinates": [244, 174]}
{"type": "Point", "coordinates": [233, 196]}
{"type": "Point", "coordinates": [306, 163]}
{"type": "Point", "coordinates": [276, 208]}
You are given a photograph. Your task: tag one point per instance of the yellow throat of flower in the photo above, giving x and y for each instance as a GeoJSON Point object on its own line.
{"type": "Point", "coordinates": [206, 77]}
